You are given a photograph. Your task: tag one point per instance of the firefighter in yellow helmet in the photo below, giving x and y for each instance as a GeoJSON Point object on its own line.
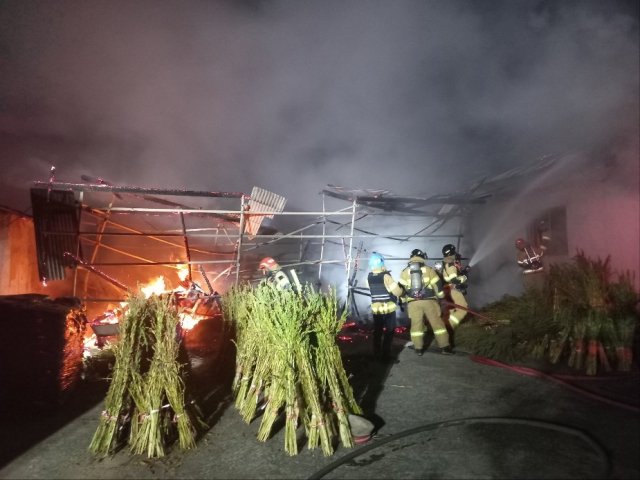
{"type": "Point", "coordinates": [383, 288]}
{"type": "Point", "coordinates": [275, 276]}
{"type": "Point", "coordinates": [423, 288]}
{"type": "Point", "coordinates": [454, 275]}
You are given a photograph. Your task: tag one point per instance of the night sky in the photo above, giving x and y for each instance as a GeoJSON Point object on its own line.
{"type": "Point", "coordinates": [416, 97]}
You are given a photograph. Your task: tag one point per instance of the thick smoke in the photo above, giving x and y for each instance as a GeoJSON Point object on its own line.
{"type": "Point", "coordinates": [408, 96]}
{"type": "Point", "coordinates": [415, 97]}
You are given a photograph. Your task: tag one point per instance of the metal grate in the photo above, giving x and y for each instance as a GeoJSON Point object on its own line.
{"type": "Point", "coordinates": [262, 201]}
{"type": "Point", "coordinates": [54, 212]}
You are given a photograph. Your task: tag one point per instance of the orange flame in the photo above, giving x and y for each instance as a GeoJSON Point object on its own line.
{"type": "Point", "coordinates": [183, 272]}
{"type": "Point", "coordinates": [188, 321]}
{"type": "Point", "coordinates": [157, 287]}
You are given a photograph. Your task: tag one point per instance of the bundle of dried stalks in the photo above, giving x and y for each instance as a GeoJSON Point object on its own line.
{"type": "Point", "coordinates": [288, 363]}
{"type": "Point", "coordinates": [581, 315]}
{"type": "Point", "coordinates": [147, 392]}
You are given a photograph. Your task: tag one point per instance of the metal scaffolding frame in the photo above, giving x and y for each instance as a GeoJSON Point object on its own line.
{"type": "Point", "coordinates": [235, 233]}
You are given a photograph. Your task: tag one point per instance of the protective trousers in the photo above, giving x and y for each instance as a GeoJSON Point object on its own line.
{"type": "Point", "coordinates": [418, 310]}
{"type": "Point", "coordinates": [457, 314]}
{"type": "Point", "coordinates": [382, 340]}
{"type": "Point", "coordinates": [533, 280]}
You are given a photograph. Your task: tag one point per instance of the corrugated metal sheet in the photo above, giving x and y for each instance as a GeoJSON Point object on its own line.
{"type": "Point", "coordinates": [263, 201]}
{"type": "Point", "coordinates": [56, 214]}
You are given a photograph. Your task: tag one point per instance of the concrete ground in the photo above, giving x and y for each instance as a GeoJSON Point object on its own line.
{"type": "Point", "coordinates": [397, 397]}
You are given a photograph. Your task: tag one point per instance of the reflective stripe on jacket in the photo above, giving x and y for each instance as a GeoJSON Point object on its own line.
{"type": "Point", "coordinates": [382, 287]}
{"type": "Point", "coordinates": [530, 257]}
{"type": "Point", "coordinates": [450, 271]}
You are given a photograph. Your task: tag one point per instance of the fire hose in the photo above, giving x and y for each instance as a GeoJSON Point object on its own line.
{"type": "Point", "coordinates": [558, 379]}
{"type": "Point", "coordinates": [455, 305]}
{"type": "Point", "coordinates": [605, 464]}
{"type": "Point", "coordinates": [555, 379]}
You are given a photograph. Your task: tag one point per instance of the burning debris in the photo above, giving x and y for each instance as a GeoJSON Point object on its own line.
{"type": "Point", "coordinates": [193, 304]}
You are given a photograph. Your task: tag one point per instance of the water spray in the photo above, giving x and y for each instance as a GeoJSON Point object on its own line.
{"type": "Point", "coordinates": [509, 222]}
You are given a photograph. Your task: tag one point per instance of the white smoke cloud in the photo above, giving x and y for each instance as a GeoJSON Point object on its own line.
{"type": "Point", "coordinates": [415, 97]}
{"type": "Point", "coordinates": [409, 96]}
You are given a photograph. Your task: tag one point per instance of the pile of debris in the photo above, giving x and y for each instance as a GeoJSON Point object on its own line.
{"type": "Point", "coordinates": [40, 349]}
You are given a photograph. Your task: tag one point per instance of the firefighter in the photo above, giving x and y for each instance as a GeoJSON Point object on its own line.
{"type": "Point", "coordinates": [383, 288]}
{"type": "Point", "coordinates": [276, 276]}
{"type": "Point", "coordinates": [529, 257]}
{"type": "Point", "coordinates": [455, 276]}
{"type": "Point", "coordinates": [530, 260]}
{"type": "Point", "coordinates": [423, 289]}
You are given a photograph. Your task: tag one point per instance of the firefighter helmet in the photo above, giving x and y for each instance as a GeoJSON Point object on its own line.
{"type": "Point", "coordinates": [268, 263]}
{"type": "Point", "coordinates": [376, 261]}
{"type": "Point", "coordinates": [419, 253]}
{"type": "Point", "coordinates": [448, 250]}
{"type": "Point", "coordinates": [520, 243]}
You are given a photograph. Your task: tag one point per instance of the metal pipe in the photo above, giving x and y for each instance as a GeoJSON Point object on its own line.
{"type": "Point", "coordinates": [186, 244]}
{"type": "Point", "coordinates": [184, 210]}
{"type": "Point", "coordinates": [308, 262]}
{"type": "Point", "coordinates": [353, 216]}
{"type": "Point", "coordinates": [324, 228]}
{"type": "Point", "coordinates": [278, 237]}
{"type": "Point", "coordinates": [143, 264]}
{"type": "Point", "coordinates": [122, 252]}
{"type": "Point", "coordinates": [206, 279]}
{"type": "Point", "coordinates": [75, 270]}
{"type": "Point", "coordinates": [153, 237]}
{"type": "Point", "coordinates": [240, 236]}
{"type": "Point", "coordinates": [348, 223]}
{"type": "Point", "coordinates": [101, 274]}
{"type": "Point", "coordinates": [146, 211]}
{"type": "Point", "coordinates": [249, 237]}
{"type": "Point", "coordinates": [364, 231]}
{"type": "Point", "coordinates": [83, 187]}
{"type": "Point", "coordinates": [101, 229]}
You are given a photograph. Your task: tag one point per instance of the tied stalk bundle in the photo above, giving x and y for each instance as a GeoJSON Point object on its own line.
{"type": "Point", "coordinates": [288, 363]}
{"type": "Point", "coordinates": [594, 324]}
{"type": "Point", "coordinates": [564, 316]}
{"type": "Point", "coordinates": [576, 359]}
{"type": "Point", "coordinates": [235, 305]}
{"type": "Point", "coordinates": [580, 316]}
{"type": "Point", "coordinates": [329, 364]}
{"type": "Point", "coordinates": [128, 353]}
{"type": "Point", "coordinates": [162, 390]}
{"type": "Point", "coordinates": [625, 301]}
{"type": "Point", "coordinates": [154, 390]}
{"type": "Point", "coordinates": [625, 330]}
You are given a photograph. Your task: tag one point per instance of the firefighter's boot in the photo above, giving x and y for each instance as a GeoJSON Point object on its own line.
{"type": "Point", "coordinates": [447, 350]}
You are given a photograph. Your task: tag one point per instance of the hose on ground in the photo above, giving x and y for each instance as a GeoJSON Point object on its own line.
{"type": "Point", "coordinates": [605, 464]}
{"type": "Point", "coordinates": [555, 379]}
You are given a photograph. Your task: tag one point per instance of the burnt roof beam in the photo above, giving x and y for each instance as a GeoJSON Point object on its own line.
{"type": "Point", "coordinates": [83, 187]}
{"type": "Point", "coordinates": [387, 203]}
